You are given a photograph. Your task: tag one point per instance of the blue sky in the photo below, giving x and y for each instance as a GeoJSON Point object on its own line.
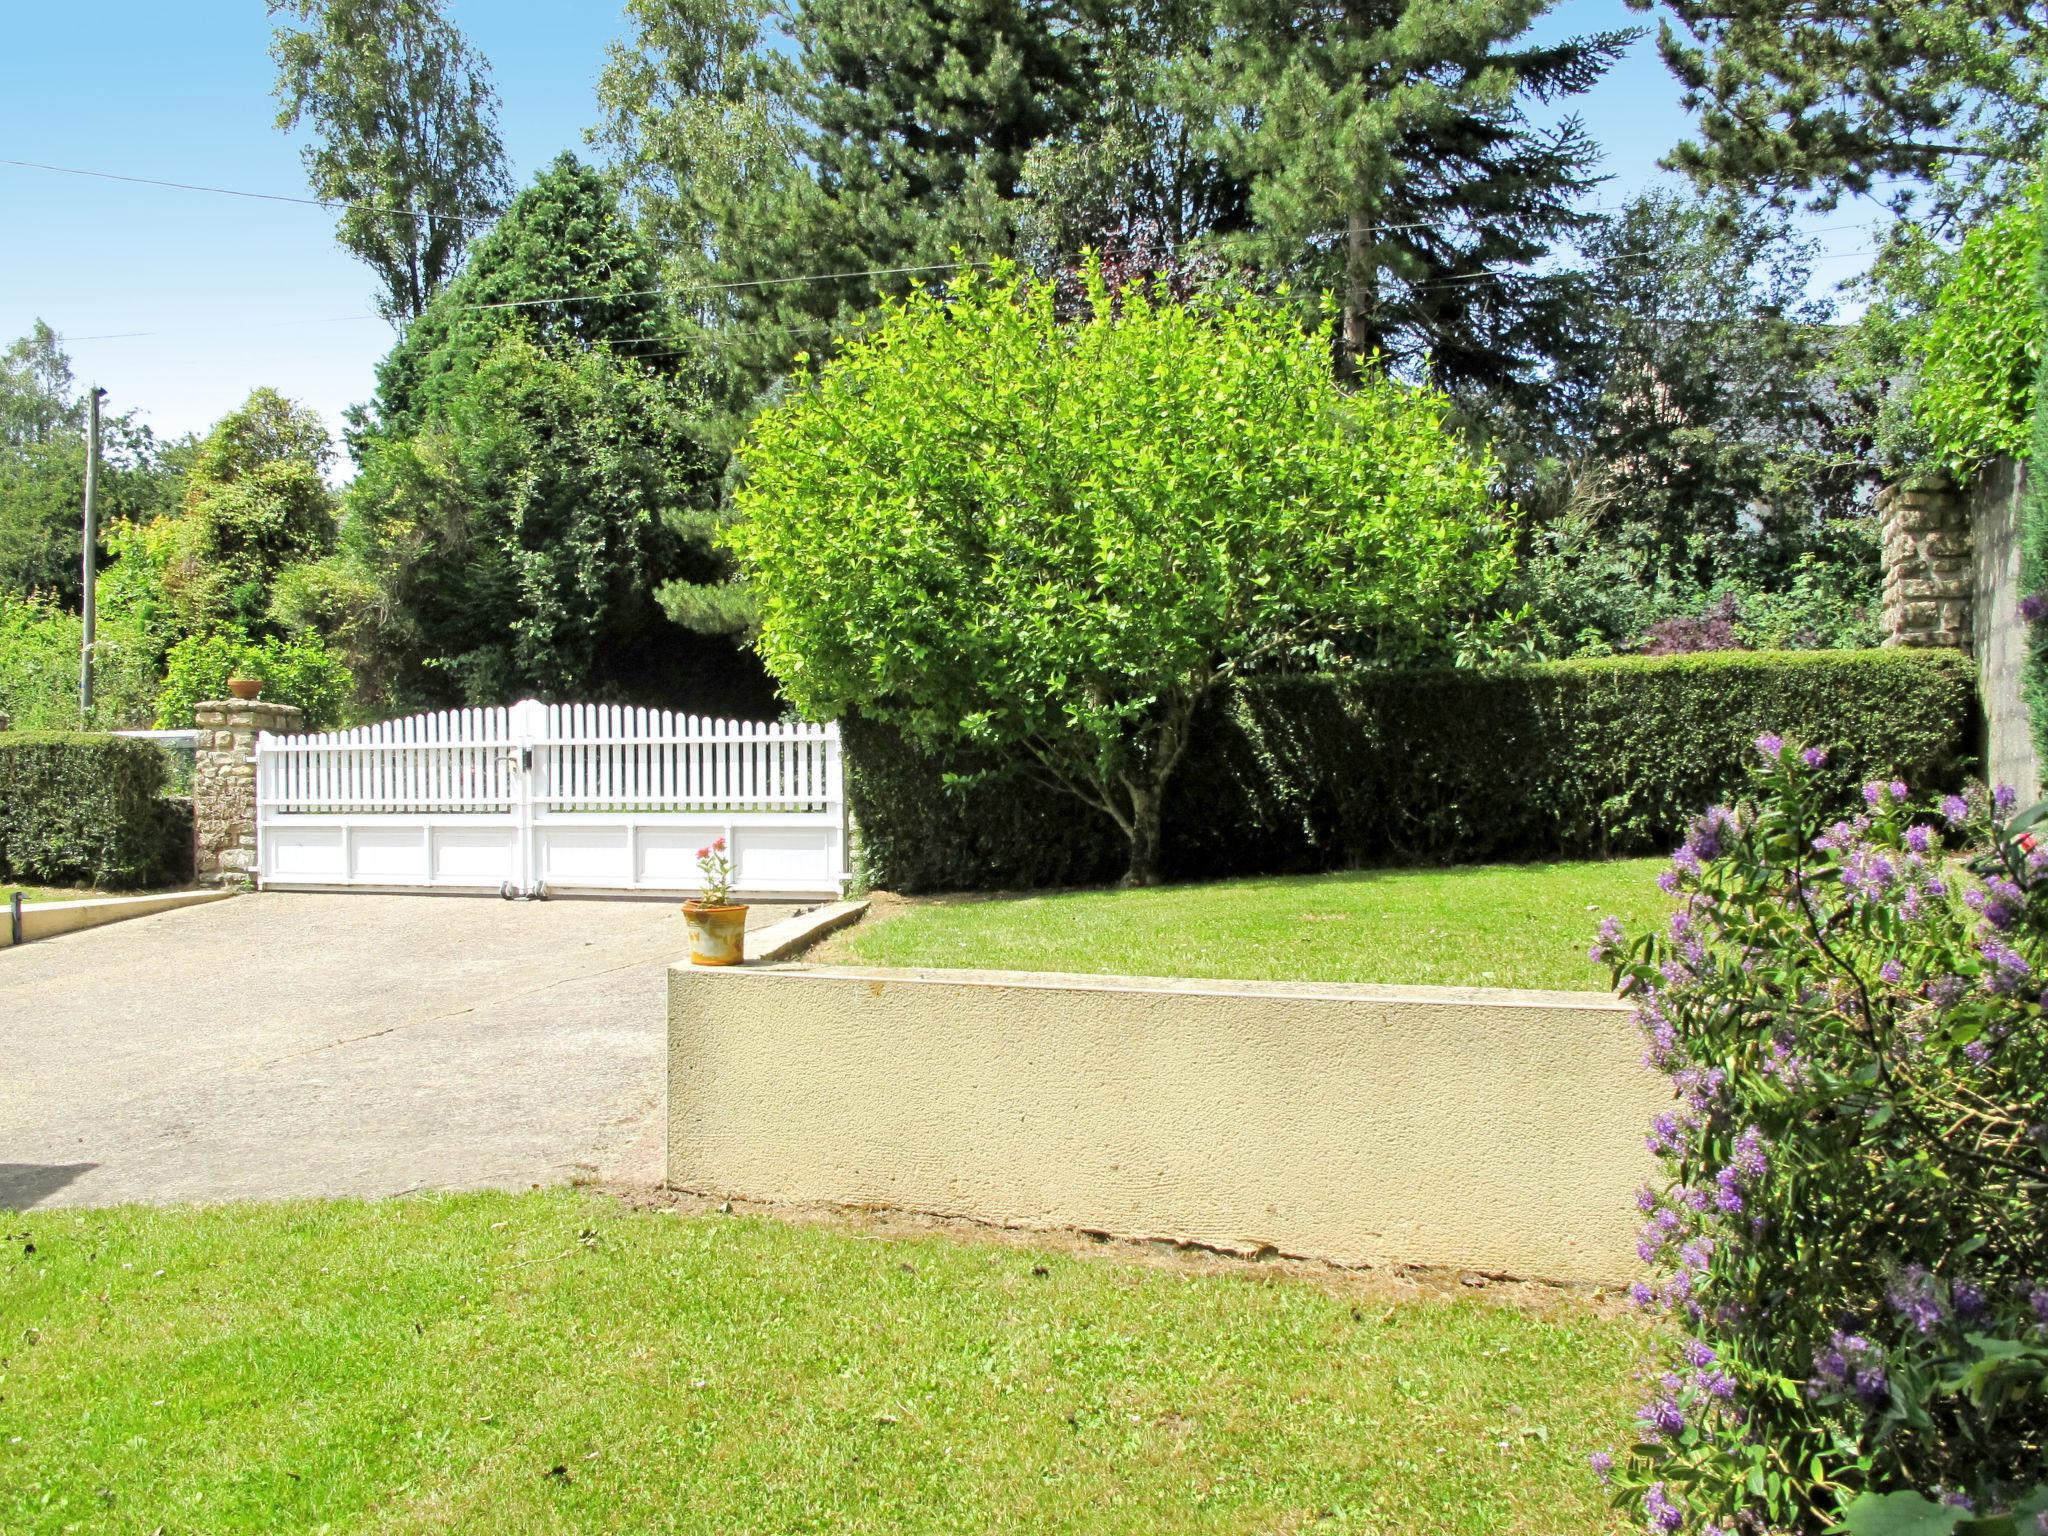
{"type": "Point", "coordinates": [237, 293]}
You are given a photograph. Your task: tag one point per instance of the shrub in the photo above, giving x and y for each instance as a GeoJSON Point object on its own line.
{"type": "Point", "coordinates": [1585, 757]}
{"type": "Point", "coordinates": [301, 671]}
{"type": "Point", "coordinates": [39, 643]}
{"type": "Point", "coordinates": [1853, 1233]}
{"type": "Point", "coordinates": [79, 809]}
{"type": "Point", "coordinates": [1058, 541]}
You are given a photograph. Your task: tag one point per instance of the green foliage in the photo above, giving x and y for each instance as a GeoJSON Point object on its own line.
{"type": "Point", "coordinates": [39, 650]}
{"type": "Point", "coordinates": [519, 536]}
{"type": "Point", "coordinates": [37, 400]}
{"type": "Point", "coordinates": [534, 496]}
{"type": "Point", "coordinates": [2033, 530]}
{"type": "Point", "coordinates": [1056, 541]}
{"type": "Point", "coordinates": [42, 471]}
{"type": "Point", "coordinates": [1815, 101]}
{"type": "Point", "coordinates": [1704, 437]}
{"type": "Point", "coordinates": [564, 234]}
{"type": "Point", "coordinates": [403, 119]}
{"type": "Point", "coordinates": [255, 502]}
{"type": "Point", "coordinates": [301, 671]}
{"type": "Point", "coordinates": [1982, 344]}
{"type": "Point", "coordinates": [1853, 1226]}
{"type": "Point", "coordinates": [88, 810]}
{"type": "Point", "coordinates": [1578, 758]}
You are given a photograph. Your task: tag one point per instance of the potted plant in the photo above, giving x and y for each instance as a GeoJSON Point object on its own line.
{"type": "Point", "coordinates": [718, 926]}
{"type": "Point", "coordinates": [245, 687]}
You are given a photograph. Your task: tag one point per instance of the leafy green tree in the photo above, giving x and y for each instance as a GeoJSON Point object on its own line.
{"type": "Point", "coordinates": [255, 502]}
{"type": "Point", "coordinates": [42, 470]}
{"type": "Point", "coordinates": [1712, 445]}
{"type": "Point", "coordinates": [405, 133]}
{"type": "Point", "coordinates": [37, 400]}
{"type": "Point", "coordinates": [1138, 175]}
{"type": "Point", "coordinates": [473, 472]}
{"type": "Point", "coordinates": [1392, 160]}
{"type": "Point", "coordinates": [1810, 100]}
{"type": "Point", "coordinates": [982, 524]}
{"type": "Point", "coordinates": [1982, 345]}
{"type": "Point", "coordinates": [300, 670]}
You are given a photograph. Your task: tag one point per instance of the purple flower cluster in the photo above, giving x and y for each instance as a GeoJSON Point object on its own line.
{"type": "Point", "coordinates": [1999, 902]}
{"type": "Point", "coordinates": [1662, 1514]}
{"type": "Point", "coordinates": [1916, 1296]}
{"type": "Point", "coordinates": [2008, 967]}
{"type": "Point", "coordinates": [1878, 795]}
{"type": "Point", "coordinates": [2033, 609]}
{"type": "Point", "coordinates": [1850, 1363]}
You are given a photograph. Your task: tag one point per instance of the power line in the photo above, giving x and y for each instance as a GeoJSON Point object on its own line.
{"type": "Point", "coordinates": [265, 197]}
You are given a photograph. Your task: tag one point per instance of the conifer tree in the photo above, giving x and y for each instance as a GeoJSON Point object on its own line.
{"type": "Point", "coordinates": [1807, 102]}
{"type": "Point", "coordinates": [1393, 161]}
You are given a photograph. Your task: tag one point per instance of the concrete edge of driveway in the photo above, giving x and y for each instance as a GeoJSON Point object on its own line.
{"type": "Point", "coordinates": [793, 935]}
{"type": "Point", "coordinates": [47, 919]}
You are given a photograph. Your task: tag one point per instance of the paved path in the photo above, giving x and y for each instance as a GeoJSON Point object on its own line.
{"type": "Point", "coordinates": [287, 1044]}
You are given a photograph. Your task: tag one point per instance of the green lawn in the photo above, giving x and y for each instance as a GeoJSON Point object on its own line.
{"type": "Point", "coordinates": [557, 1361]}
{"type": "Point", "coordinates": [1496, 925]}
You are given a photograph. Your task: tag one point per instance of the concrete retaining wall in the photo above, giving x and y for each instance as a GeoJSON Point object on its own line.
{"type": "Point", "coordinates": [1477, 1129]}
{"type": "Point", "coordinates": [47, 919]}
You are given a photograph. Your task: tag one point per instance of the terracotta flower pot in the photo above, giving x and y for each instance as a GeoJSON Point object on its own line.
{"type": "Point", "coordinates": [718, 935]}
{"type": "Point", "coordinates": [245, 687]}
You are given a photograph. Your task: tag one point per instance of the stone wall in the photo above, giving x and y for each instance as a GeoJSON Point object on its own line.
{"type": "Point", "coordinates": [224, 784]}
{"type": "Point", "coordinates": [1952, 577]}
{"type": "Point", "coordinates": [1925, 529]}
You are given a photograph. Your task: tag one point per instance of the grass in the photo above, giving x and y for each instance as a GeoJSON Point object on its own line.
{"type": "Point", "coordinates": [1500, 925]}
{"type": "Point", "coordinates": [558, 1361]}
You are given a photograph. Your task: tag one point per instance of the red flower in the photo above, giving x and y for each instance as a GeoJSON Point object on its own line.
{"type": "Point", "coordinates": [703, 853]}
{"type": "Point", "coordinates": [719, 844]}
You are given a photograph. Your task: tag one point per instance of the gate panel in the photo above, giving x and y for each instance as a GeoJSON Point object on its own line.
{"type": "Point", "coordinates": [562, 796]}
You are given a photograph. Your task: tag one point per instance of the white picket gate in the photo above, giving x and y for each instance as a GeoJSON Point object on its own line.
{"type": "Point", "coordinates": [553, 797]}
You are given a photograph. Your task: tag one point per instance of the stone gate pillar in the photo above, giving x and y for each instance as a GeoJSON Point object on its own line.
{"type": "Point", "coordinates": [1924, 526]}
{"type": "Point", "coordinates": [224, 784]}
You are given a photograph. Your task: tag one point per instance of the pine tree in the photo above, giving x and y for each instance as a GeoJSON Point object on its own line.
{"type": "Point", "coordinates": [1808, 102]}
{"type": "Point", "coordinates": [1393, 162]}
{"type": "Point", "coordinates": [862, 137]}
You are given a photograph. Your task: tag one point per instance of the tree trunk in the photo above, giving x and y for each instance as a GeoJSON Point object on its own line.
{"type": "Point", "coordinates": [1358, 295]}
{"type": "Point", "coordinates": [1147, 820]}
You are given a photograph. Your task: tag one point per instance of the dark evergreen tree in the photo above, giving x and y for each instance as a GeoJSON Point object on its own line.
{"type": "Point", "coordinates": [563, 268]}
{"type": "Point", "coordinates": [533, 477]}
{"type": "Point", "coordinates": [1393, 162]}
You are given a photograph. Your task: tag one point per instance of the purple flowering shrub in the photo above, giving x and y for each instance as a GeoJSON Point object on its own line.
{"type": "Point", "coordinates": [1852, 1241]}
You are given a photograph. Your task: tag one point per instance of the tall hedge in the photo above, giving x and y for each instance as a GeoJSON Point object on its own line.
{"type": "Point", "coordinates": [82, 809]}
{"type": "Point", "coordinates": [1310, 773]}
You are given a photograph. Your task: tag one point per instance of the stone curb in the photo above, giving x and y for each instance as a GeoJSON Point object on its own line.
{"type": "Point", "coordinates": [793, 935]}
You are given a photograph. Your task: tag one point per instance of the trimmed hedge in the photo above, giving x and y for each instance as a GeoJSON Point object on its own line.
{"type": "Point", "coordinates": [1298, 774]}
{"type": "Point", "coordinates": [82, 809]}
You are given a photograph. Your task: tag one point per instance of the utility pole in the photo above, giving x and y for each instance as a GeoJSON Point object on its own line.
{"type": "Point", "coordinates": [91, 559]}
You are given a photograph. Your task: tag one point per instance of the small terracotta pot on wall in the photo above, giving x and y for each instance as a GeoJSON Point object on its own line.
{"type": "Point", "coordinates": [718, 935]}
{"type": "Point", "coordinates": [245, 687]}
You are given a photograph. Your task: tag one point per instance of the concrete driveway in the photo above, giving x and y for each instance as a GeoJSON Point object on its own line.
{"type": "Point", "coordinates": [287, 1044]}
